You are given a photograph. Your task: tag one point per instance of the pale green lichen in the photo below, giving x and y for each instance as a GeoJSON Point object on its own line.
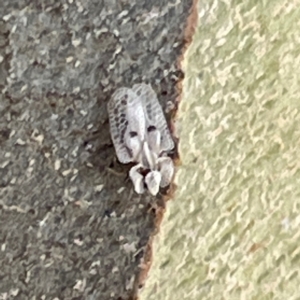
{"type": "Point", "coordinates": [232, 231]}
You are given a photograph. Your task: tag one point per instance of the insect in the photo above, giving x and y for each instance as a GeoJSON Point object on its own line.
{"type": "Point", "coordinates": [140, 134]}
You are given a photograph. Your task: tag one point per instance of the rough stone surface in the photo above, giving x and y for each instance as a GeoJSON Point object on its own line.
{"type": "Point", "coordinates": [71, 226]}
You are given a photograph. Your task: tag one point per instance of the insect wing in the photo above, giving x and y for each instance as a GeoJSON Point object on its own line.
{"type": "Point", "coordinates": [154, 139]}
{"type": "Point", "coordinates": [136, 116]}
{"type": "Point", "coordinates": [136, 129]}
{"type": "Point", "coordinates": [118, 120]}
{"type": "Point", "coordinates": [154, 114]}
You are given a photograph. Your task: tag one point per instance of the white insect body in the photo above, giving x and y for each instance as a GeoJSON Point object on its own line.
{"type": "Point", "coordinates": [137, 179]}
{"type": "Point", "coordinates": [152, 181]}
{"type": "Point", "coordinates": [140, 134]}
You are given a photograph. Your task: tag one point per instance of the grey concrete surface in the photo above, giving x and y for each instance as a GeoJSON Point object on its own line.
{"type": "Point", "coordinates": [70, 225]}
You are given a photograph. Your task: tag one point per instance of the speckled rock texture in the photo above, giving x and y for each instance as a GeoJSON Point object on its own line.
{"type": "Point", "coordinates": [71, 226]}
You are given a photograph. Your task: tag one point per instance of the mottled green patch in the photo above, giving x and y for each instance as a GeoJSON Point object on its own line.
{"type": "Point", "coordinates": [240, 150]}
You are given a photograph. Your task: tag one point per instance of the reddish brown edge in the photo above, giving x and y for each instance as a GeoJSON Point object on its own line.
{"type": "Point", "coordinates": [160, 210]}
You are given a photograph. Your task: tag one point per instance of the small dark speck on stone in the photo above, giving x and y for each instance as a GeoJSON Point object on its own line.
{"type": "Point", "coordinates": [31, 211]}
{"type": "Point", "coordinates": [107, 213]}
{"type": "Point", "coordinates": [70, 111]}
{"type": "Point", "coordinates": [4, 133]}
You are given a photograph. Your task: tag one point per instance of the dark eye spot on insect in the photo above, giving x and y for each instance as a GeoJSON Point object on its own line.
{"type": "Point", "coordinates": [124, 100]}
{"type": "Point", "coordinates": [132, 133]}
{"type": "Point", "coordinates": [151, 128]}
